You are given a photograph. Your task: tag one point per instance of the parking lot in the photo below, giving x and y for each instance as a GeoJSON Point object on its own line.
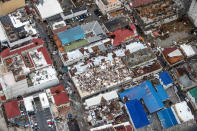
{"type": "Point", "coordinates": [44, 119]}
{"type": "Point", "coordinates": [91, 15]}
{"type": "Point", "coordinates": [41, 119]}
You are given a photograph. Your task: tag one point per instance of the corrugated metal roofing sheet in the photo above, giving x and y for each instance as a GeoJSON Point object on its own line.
{"type": "Point", "coordinates": [137, 113]}
{"type": "Point", "coordinates": [71, 35]}
{"type": "Point", "coordinates": [146, 92]}
{"type": "Point", "coordinates": [167, 118]}
{"type": "Point", "coordinates": [165, 78]}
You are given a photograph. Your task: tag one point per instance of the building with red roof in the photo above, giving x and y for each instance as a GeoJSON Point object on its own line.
{"type": "Point", "coordinates": [29, 69]}
{"type": "Point", "coordinates": [61, 99]}
{"type": "Point", "coordinates": [121, 35]}
{"type": "Point", "coordinates": [59, 88]}
{"type": "Point", "coordinates": [60, 96]}
{"type": "Point", "coordinates": [172, 56]}
{"type": "Point", "coordinates": [12, 110]}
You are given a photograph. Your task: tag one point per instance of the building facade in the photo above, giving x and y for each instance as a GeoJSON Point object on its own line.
{"type": "Point", "coordinates": [107, 6]}
{"type": "Point", "coordinates": [193, 12]}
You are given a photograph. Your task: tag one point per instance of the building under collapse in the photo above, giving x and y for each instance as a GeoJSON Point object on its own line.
{"type": "Point", "coordinates": [155, 14]}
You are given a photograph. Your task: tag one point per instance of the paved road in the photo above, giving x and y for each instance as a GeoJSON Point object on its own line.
{"type": "Point", "coordinates": [77, 106]}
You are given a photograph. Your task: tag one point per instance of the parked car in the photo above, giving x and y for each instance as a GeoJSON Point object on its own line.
{"type": "Point", "coordinates": [97, 13]}
{"type": "Point", "coordinates": [50, 123]}
{"type": "Point", "coordinates": [88, 14]}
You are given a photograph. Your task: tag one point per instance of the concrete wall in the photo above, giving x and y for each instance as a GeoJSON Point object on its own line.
{"type": "Point", "coordinates": [108, 8]}
{"type": "Point", "coordinates": [74, 14]}
{"type": "Point", "coordinates": [21, 88]}
{"type": "Point", "coordinates": [193, 12]}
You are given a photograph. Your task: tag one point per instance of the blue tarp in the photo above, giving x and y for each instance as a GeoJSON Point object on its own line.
{"type": "Point", "coordinates": [161, 92]}
{"type": "Point", "coordinates": [146, 92]}
{"type": "Point", "coordinates": [137, 113]}
{"type": "Point", "coordinates": [165, 78]}
{"type": "Point", "coordinates": [167, 118]}
{"type": "Point", "coordinates": [71, 35]}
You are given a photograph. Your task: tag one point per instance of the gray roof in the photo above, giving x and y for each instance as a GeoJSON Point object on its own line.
{"type": "Point", "coordinates": [138, 57]}
{"type": "Point", "coordinates": [117, 23]}
{"type": "Point", "coordinates": [95, 28]}
{"type": "Point", "coordinates": [67, 13]}
{"type": "Point", "coordinates": [185, 81]}
{"type": "Point", "coordinates": [74, 10]}
{"type": "Point", "coordinates": [55, 18]}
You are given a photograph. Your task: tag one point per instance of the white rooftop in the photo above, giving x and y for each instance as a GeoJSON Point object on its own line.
{"type": "Point", "coordinates": [9, 79]}
{"type": "Point", "coordinates": [16, 20]}
{"type": "Point", "coordinates": [43, 75]}
{"type": "Point", "coordinates": [38, 59]}
{"type": "Point", "coordinates": [183, 111]}
{"type": "Point", "coordinates": [44, 100]}
{"type": "Point", "coordinates": [132, 47]}
{"type": "Point", "coordinates": [189, 50]}
{"type": "Point", "coordinates": [48, 8]}
{"type": "Point", "coordinates": [97, 99]}
{"type": "Point", "coordinates": [175, 53]}
{"type": "Point", "coordinates": [3, 35]}
{"type": "Point", "coordinates": [28, 103]}
{"type": "Point", "coordinates": [58, 24]}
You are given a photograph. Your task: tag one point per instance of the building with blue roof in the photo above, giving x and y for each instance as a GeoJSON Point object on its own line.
{"type": "Point", "coordinates": [153, 99]}
{"type": "Point", "coordinates": [167, 118]}
{"type": "Point", "coordinates": [71, 35]}
{"type": "Point", "coordinates": [165, 78]}
{"type": "Point", "coordinates": [137, 114]}
{"type": "Point", "coordinates": [161, 92]}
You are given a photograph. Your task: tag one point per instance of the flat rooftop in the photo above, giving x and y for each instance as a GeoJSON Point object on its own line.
{"type": "Point", "coordinates": [107, 111]}
{"type": "Point", "coordinates": [136, 3]}
{"type": "Point", "coordinates": [76, 54]}
{"type": "Point", "coordinates": [29, 69]}
{"type": "Point", "coordinates": [139, 58]}
{"type": "Point", "coordinates": [46, 12]}
{"type": "Point", "coordinates": [155, 12]}
{"type": "Point", "coordinates": [93, 31]}
{"type": "Point", "coordinates": [172, 55]}
{"type": "Point", "coordinates": [117, 23]}
{"type": "Point", "coordinates": [22, 61]}
{"type": "Point", "coordinates": [81, 35]}
{"type": "Point", "coordinates": [18, 27]}
{"type": "Point", "coordinates": [101, 73]}
{"type": "Point", "coordinates": [126, 126]}
{"type": "Point", "coordinates": [146, 69]}
{"type": "Point", "coordinates": [88, 75]}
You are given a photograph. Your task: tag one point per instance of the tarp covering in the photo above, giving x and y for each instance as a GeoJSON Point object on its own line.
{"type": "Point", "coordinates": [71, 35]}
{"type": "Point", "coordinates": [167, 118]}
{"type": "Point", "coordinates": [165, 78]}
{"type": "Point", "coordinates": [146, 92]}
{"type": "Point", "coordinates": [161, 92]}
{"type": "Point", "coordinates": [137, 113]}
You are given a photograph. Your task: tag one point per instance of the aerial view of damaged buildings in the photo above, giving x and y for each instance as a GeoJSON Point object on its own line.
{"type": "Point", "coordinates": [98, 65]}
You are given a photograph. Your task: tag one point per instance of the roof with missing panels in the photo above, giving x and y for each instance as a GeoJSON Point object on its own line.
{"type": "Point", "coordinates": [146, 91]}
{"type": "Point", "coordinates": [117, 23]}
{"type": "Point", "coordinates": [93, 31]}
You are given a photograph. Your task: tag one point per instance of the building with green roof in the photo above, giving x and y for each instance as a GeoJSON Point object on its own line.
{"type": "Point", "coordinates": [192, 94]}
